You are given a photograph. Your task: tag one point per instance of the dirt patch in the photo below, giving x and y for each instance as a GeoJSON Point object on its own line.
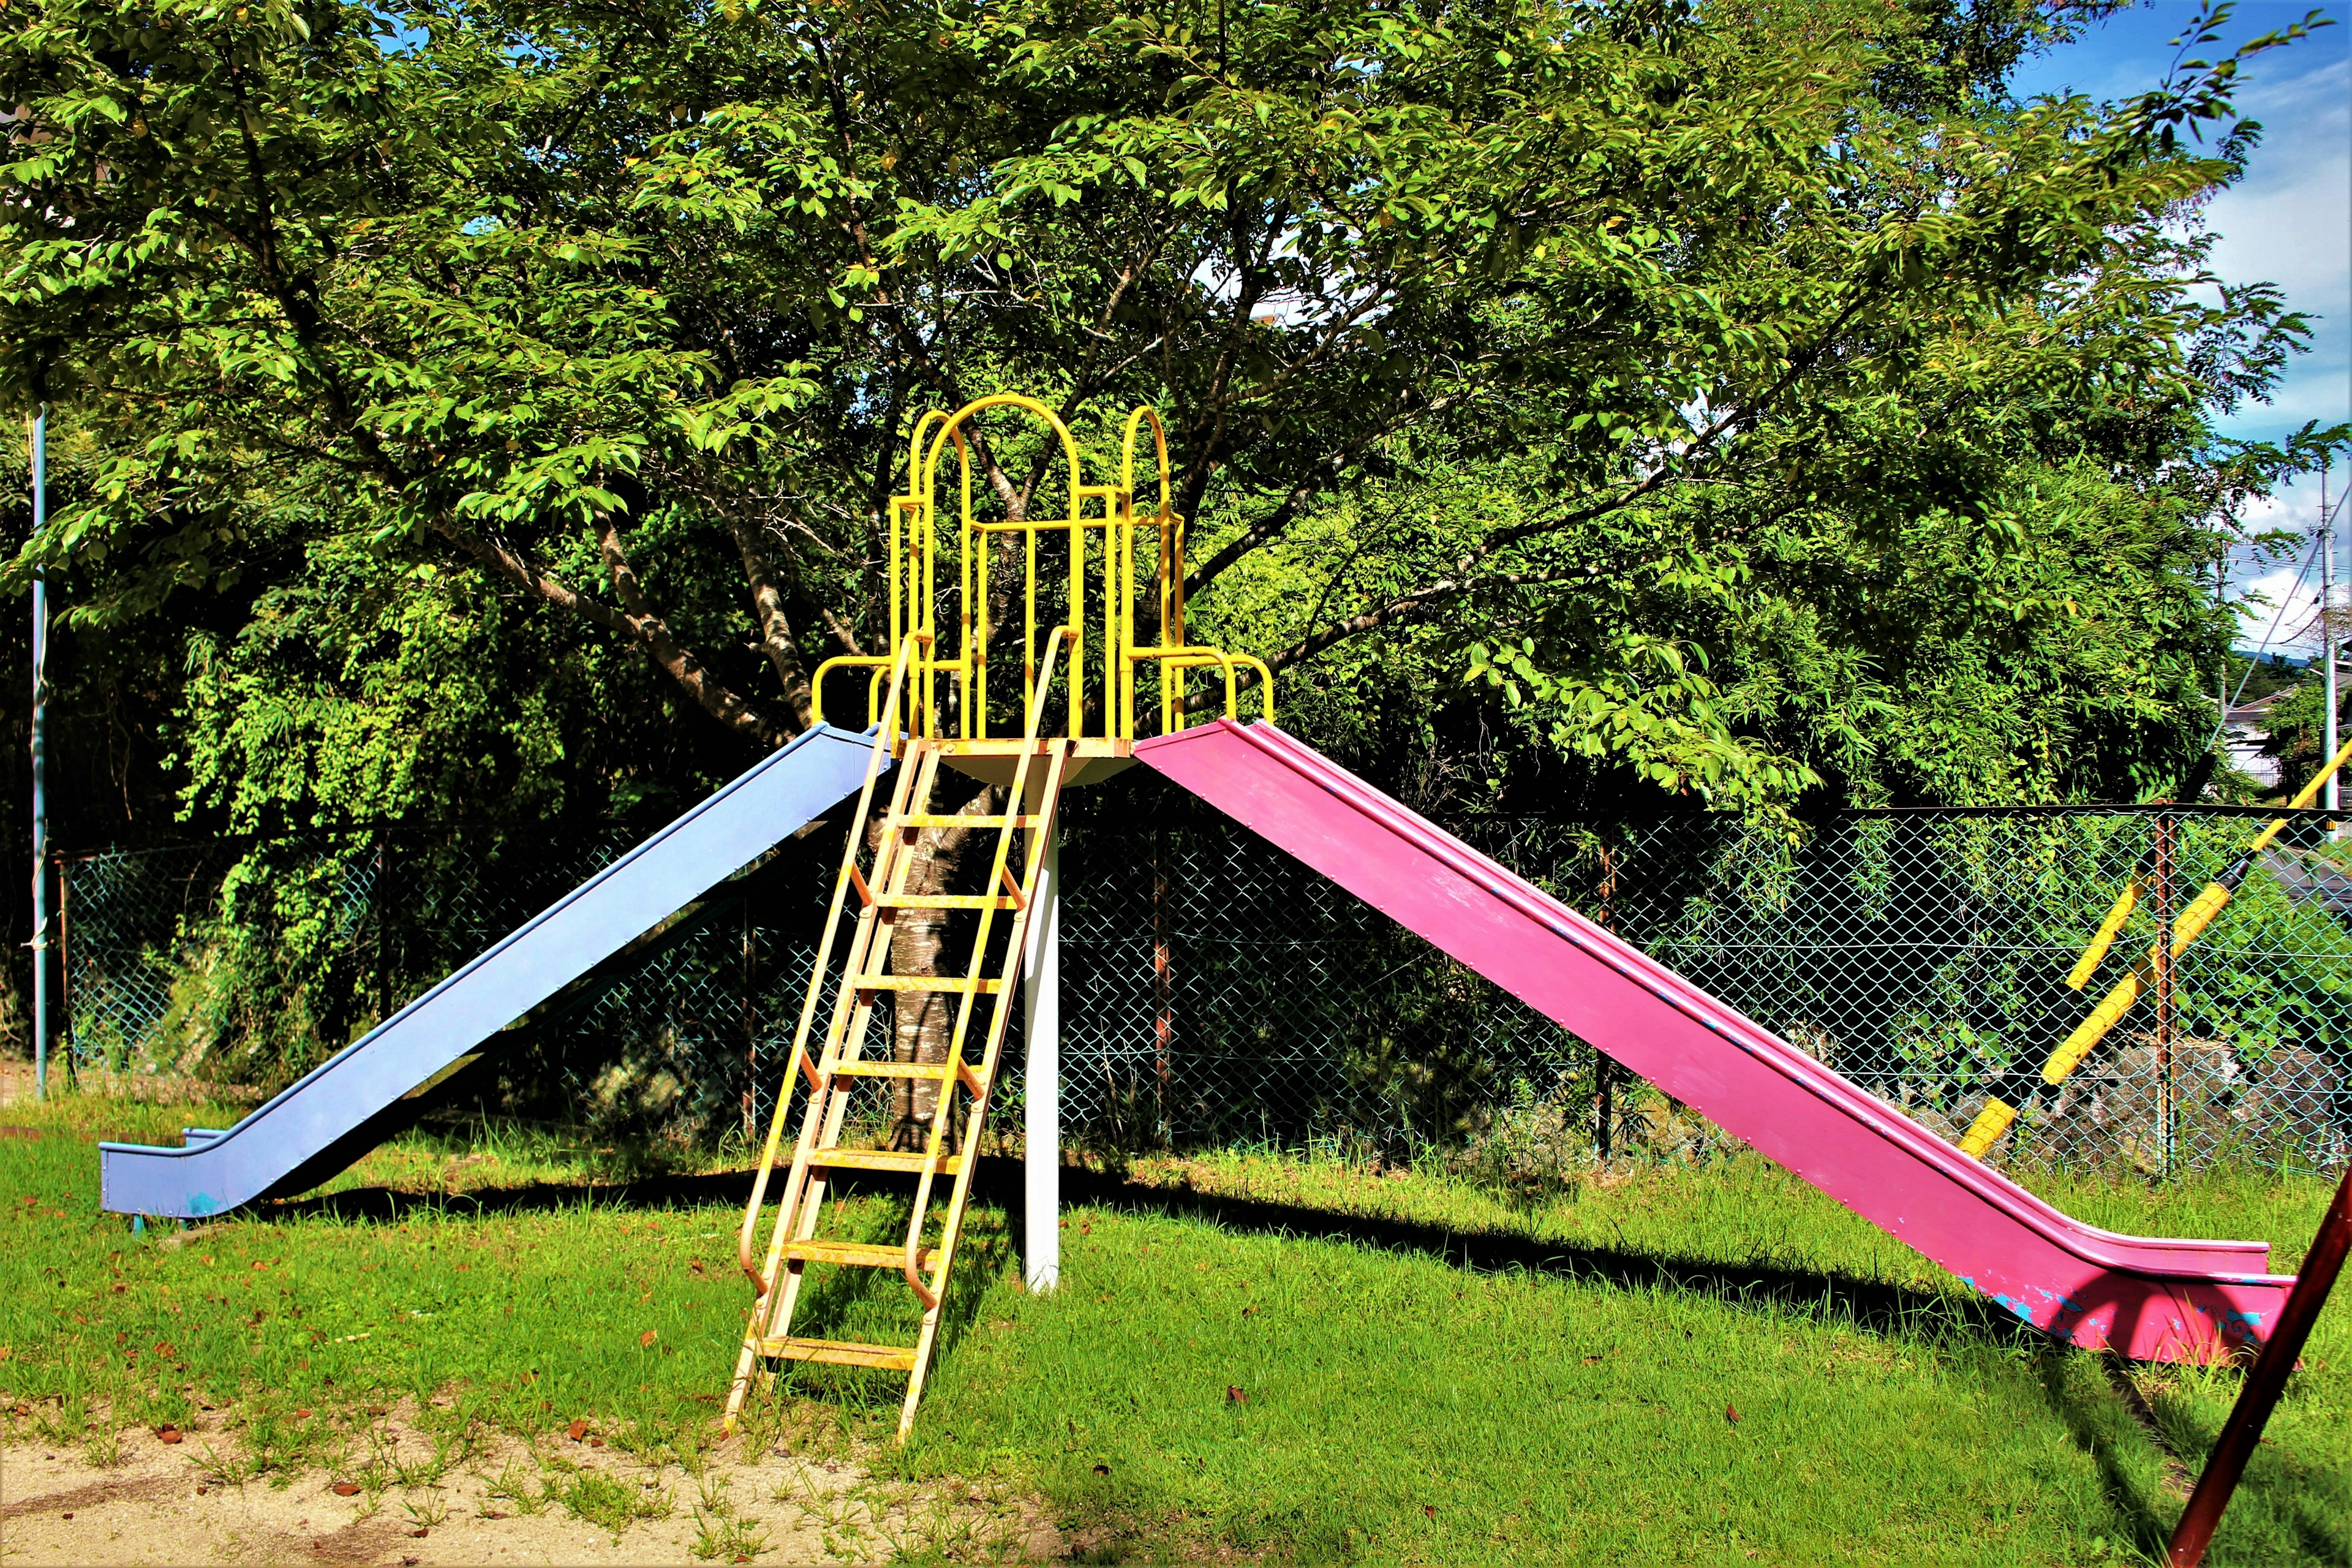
{"type": "Point", "coordinates": [507, 1503]}
{"type": "Point", "coordinates": [17, 1078]}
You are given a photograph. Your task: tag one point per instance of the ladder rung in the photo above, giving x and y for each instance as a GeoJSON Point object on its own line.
{"type": "Point", "coordinates": [923, 982]}
{"type": "Point", "coordinates": [947, 902]}
{"type": "Point", "coordinates": [929, 819]}
{"type": "Point", "coordinates": [883, 1160]}
{"type": "Point", "coordinates": [856, 1254]}
{"type": "Point", "coordinates": [840, 1352]}
{"type": "Point", "coordinates": [894, 1069]}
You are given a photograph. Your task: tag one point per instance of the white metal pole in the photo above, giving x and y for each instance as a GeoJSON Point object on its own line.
{"type": "Point", "coordinates": [40, 801]}
{"type": "Point", "coordinates": [2332, 798]}
{"type": "Point", "coordinates": [1041, 1033]}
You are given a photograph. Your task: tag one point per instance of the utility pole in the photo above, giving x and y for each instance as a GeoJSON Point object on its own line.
{"type": "Point", "coordinates": [2332, 797]}
{"type": "Point", "coordinates": [40, 804]}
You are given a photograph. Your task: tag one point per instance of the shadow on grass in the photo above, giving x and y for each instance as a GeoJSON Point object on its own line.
{"type": "Point", "coordinates": [1871, 1304]}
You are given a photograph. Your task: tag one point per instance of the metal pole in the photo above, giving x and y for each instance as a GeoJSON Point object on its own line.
{"type": "Point", "coordinates": [2264, 1384]}
{"type": "Point", "coordinates": [40, 803]}
{"type": "Point", "coordinates": [2332, 799]}
{"type": "Point", "coordinates": [1040, 1035]}
{"type": "Point", "coordinates": [2162, 953]}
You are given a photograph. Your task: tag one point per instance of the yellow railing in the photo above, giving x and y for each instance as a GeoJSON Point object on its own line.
{"type": "Point", "coordinates": [1110, 555]}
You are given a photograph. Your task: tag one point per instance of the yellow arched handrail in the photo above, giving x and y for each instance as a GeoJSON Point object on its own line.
{"type": "Point", "coordinates": [1113, 570]}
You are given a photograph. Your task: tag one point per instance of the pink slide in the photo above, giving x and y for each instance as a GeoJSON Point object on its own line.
{"type": "Point", "coordinates": [2165, 1300]}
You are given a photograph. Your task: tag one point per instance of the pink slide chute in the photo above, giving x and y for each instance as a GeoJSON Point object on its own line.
{"type": "Point", "coordinates": [2156, 1300]}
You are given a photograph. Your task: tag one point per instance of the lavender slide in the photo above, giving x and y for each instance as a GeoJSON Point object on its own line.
{"type": "Point", "coordinates": [351, 1102]}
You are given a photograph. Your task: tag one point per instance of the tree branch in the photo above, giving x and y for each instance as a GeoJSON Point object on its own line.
{"type": "Point", "coordinates": [676, 658]}
{"type": "Point", "coordinates": [776, 639]}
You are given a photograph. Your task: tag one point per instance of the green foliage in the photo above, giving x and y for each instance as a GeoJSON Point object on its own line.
{"type": "Point", "coordinates": [1631, 359]}
{"type": "Point", "coordinates": [2297, 724]}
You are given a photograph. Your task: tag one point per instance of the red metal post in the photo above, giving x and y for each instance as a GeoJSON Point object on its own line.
{"type": "Point", "coordinates": [2265, 1382]}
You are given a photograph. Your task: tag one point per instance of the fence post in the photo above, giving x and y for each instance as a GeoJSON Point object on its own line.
{"type": "Point", "coordinates": [1163, 1022]}
{"type": "Point", "coordinates": [1604, 1077]}
{"type": "Point", "coordinates": [65, 966]}
{"type": "Point", "coordinates": [40, 738]}
{"type": "Point", "coordinates": [750, 1037]}
{"type": "Point", "coordinates": [2164, 1009]}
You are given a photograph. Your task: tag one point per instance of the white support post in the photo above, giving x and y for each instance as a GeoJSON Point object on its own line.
{"type": "Point", "coordinates": [1040, 1034]}
{"type": "Point", "coordinates": [2331, 796]}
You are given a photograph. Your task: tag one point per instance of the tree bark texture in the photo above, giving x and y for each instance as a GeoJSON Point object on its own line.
{"type": "Point", "coordinates": [923, 1022]}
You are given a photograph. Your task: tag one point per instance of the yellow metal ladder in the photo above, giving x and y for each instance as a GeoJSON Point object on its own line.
{"type": "Point", "coordinates": [839, 1066]}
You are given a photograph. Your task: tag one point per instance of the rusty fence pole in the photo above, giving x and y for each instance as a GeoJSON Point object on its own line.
{"type": "Point", "coordinates": [64, 965]}
{"type": "Point", "coordinates": [1163, 1021]}
{"type": "Point", "coordinates": [1604, 1075]}
{"type": "Point", "coordinates": [750, 1033]}
{"type": "Point", "coordinates": [2164, 1019]}
{"type": "Point", "coordinates": [2264, 1384]}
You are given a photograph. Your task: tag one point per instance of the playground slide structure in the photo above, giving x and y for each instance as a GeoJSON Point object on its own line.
{"type": "Point", "coordinates": [351, 1102]}
{"type": "Point", "coordinates": [2160, 1300]}
{"type": "Point", "coordinates": [1075, 685]}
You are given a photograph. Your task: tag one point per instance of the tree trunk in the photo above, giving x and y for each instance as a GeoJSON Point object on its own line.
{"type": "Point", "coordinates": [922, 1022]}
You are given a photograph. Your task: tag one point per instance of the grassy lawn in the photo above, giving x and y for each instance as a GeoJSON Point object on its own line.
{"type": "Point", "coordinates": [1279, 1358]}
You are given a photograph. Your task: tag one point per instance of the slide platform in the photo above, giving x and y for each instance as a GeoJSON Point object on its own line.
{"type": "Point", "coordinates": [351, 1102]}
{"type": "Point", "coordinates": [2154, 1300]}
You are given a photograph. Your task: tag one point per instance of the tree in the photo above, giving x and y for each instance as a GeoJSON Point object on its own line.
{"type": "Point", "coordinates": [625, 311]}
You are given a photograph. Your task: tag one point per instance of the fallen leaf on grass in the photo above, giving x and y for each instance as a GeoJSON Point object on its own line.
{"type": "Point", "coordinates": [301, 1414]}
{"type": "Point", "coordinates": [648, 1337]}
{"type": "Point", "coordinates": [1731, 1415]}
{"type": "Point", "coordinates": [169, 1433]}
{"type": "Point", "coordinates": [577, 1430]}
{"type": "Point", "coordinates": [1233, 1396]}
{"type": "Point", "coordinates": [344, 1489]}
{"type": "Point", "coordinates": [1430, 1509]}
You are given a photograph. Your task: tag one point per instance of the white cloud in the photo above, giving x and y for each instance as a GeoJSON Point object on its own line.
{"type": "Point", "coordinates": [2289, 222]}
{"type": "Point", "coordinates": [2274, 611]}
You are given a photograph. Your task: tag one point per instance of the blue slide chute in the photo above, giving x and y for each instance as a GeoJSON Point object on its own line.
{"type": "Point", "coordinates": [348, 1104]}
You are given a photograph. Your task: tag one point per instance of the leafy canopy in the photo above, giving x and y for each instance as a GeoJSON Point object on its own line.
{"type": "Point", "coordinates": [1734, 392]}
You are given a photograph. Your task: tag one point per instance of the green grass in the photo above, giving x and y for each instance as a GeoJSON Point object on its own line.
{"type": "Point", "coordinates": [1288, 1359]}
{"type": "Point", "coordinates": [519, 1320]}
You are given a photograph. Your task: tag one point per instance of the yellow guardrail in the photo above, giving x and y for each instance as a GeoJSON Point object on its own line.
{"type": "Point", "coordinates": [1109, 553]}
{"type": "Point", "coordinates": [1997, 1114]}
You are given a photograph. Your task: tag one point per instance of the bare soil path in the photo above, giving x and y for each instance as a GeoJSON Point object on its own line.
{"type": "Point", "coordinates": [164, 1503]}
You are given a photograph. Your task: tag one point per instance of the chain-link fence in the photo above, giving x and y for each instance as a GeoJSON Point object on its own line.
{"type": "Point", "coordinates": [1215, 991]}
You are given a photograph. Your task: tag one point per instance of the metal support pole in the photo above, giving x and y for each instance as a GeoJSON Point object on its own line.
{"type": "Point", "coordinates": [1040, 1034]}
{"type": "Point", "coordinates": [2332, 799]}
{"type": "Point", "coordinates": [2164, 1019]}
{"type": "Point", "coordinates": [40, 738]}
{"type": "Point", "coordinates": [2264, 1384]}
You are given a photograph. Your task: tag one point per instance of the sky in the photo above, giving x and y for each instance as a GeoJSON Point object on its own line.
{"type": "Point", "coordinates": [2288, 222]}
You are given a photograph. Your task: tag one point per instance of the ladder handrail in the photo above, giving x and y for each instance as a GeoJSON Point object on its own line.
{"type": "Point", "coordinates": [883, 745]}
{"type": "Point", "coordinates": [842, 1062]}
